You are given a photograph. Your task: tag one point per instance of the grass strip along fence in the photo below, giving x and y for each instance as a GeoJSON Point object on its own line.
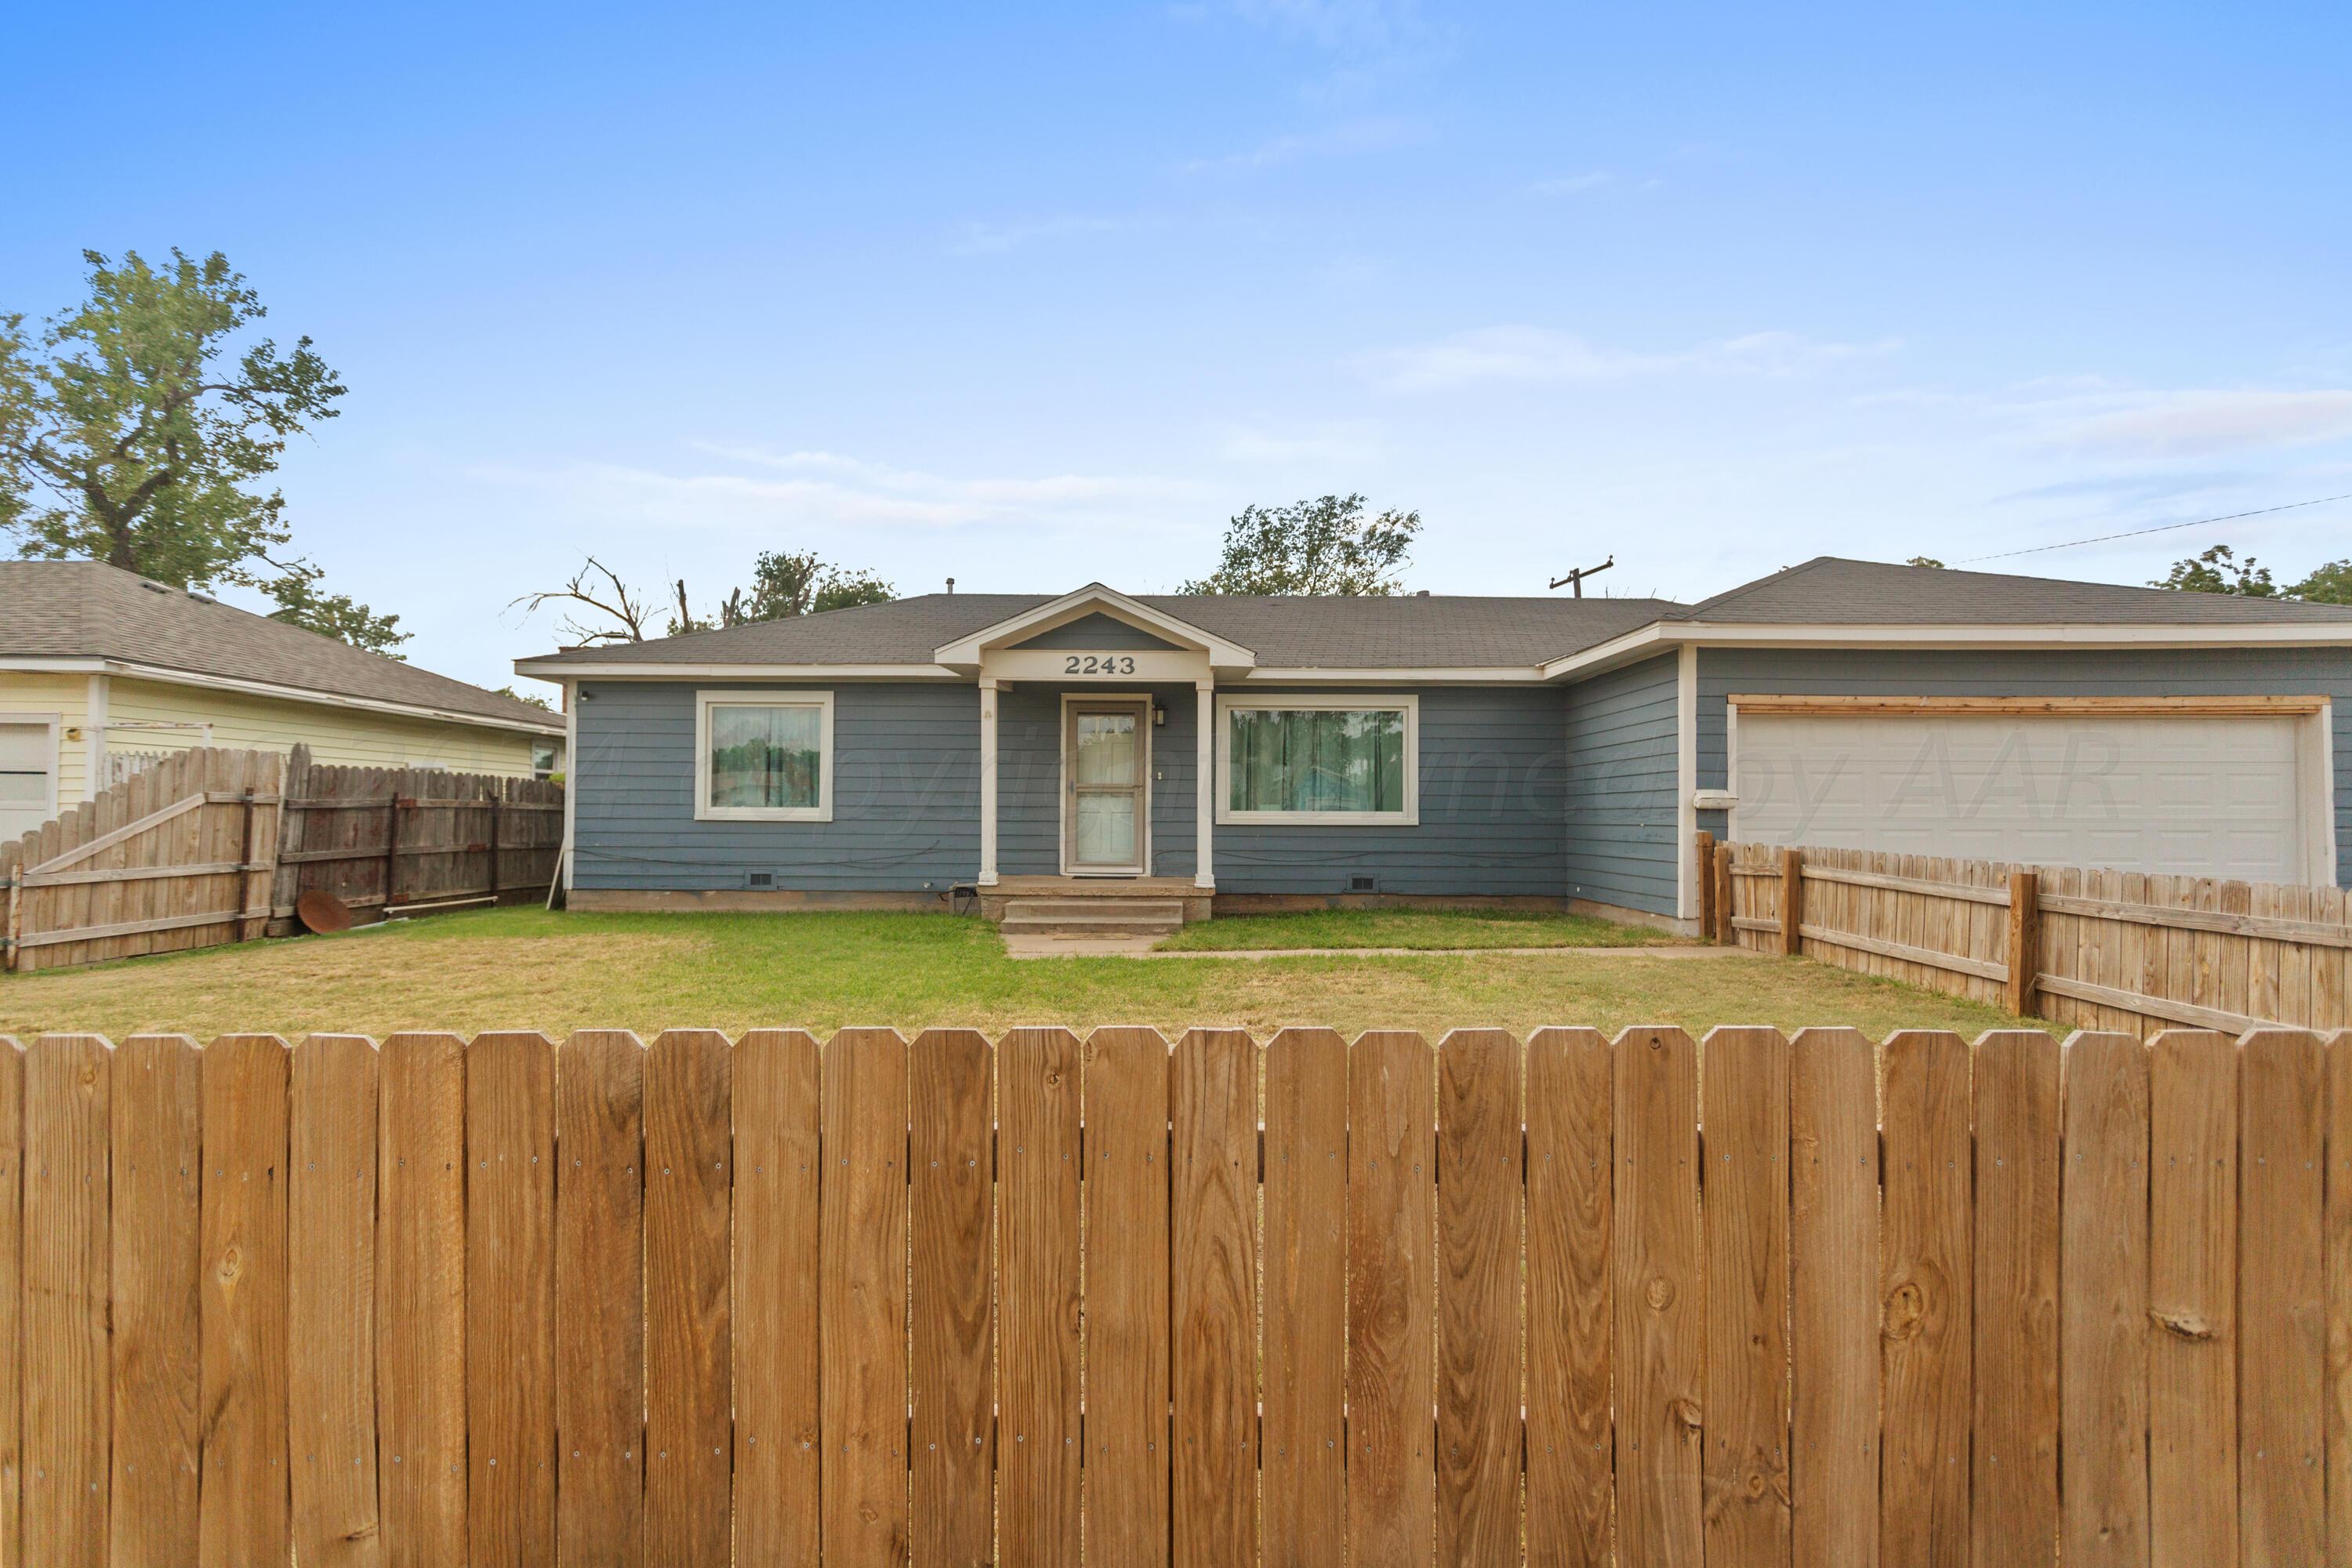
{"type": "Point", "coordinates": [1049, 1299]}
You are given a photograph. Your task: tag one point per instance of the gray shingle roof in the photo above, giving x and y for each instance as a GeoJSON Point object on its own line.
{"type": "Point", "coordinates": [1402, 633]}
{"type": "Point", "coordinates": [87, 610]}
{"type": "Point", "coordinates": [1831, 590]}
{"type": "Point", "coordinates": [1459, 631]}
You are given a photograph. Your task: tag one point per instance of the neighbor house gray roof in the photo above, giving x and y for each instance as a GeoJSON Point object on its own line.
{"type": "Point", "coordinates": [86, 609]}
{"type": "Point", "coordinates": [1831, 591]}
{"type": "Point", "coordinates": [1405, 632]}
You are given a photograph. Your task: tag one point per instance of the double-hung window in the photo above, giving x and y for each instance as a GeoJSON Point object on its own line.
{"type": "Point", "coordinates": [1313, 758]}
{"type": "Point", "coordinates": [763, 756]}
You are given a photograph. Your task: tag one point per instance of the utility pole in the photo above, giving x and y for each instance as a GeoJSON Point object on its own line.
{"type": "Point", "coordinates": [1576, 579]}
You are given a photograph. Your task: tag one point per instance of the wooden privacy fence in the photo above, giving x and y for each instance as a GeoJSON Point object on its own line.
{"type": "Point", "coordinates": [2103, 949]}
{"type": "Point", "coordinates": [405, 840]}
{"type": "Point", "coordinates": [177, 856]}
{"type": "Point", "coordinates": [1762, 1302]}
{"type": "Point", "coordinates": [210, 846]}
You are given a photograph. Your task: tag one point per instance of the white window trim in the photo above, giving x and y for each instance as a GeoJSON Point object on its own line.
{"type": "Point", "coordinates": [704, 702]}
{"type": "Point", "coordinates": [1408, 703]}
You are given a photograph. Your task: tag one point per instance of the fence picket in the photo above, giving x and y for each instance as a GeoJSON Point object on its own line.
{"type": "Point", "coordinates": [777, 1107]}
{"type": "Point", "coordinates": [510, 1299]}
{"type": "Point", "coordinates": [862, 1310]}
{"type": "Point", "coordinates": [1479, 1148]}
{"type": "Point", "coordinates": [1571, 1179]}
{"type": "Point", "coordinates": [600, 1348]}
{"type": "Point", "coordinates": [1927, 1287]}
{"type": "Point", "coordinates": [157, 1146]}
{"type": "Point", "coordinates": [1833, 1328]}
{"type": "Point", "coordinates": [67, 1096]}
{"type": "Point", "coordinates": [1213, 1287]}
{"type": "Point", "coordinates": [1126, 1195]}
{"type": "Point", "coordinates": [2282, 1296]}
{"type": "Point", "coordinates": [11, 1300]}
{"type": "Point", "coordinates": [420, 1299]}
{"type": "Point", "coordinates": [2337, 1242]}
{"type": "Point", "coordinates": [2103, 1324]}
{"type": "Point", "coordinates": [330, 1221]}
{"type": "Point", "coordinates": [2014, 1088]}
{"type": "Point", "coordinates": [1391, 1299]}
{"type": "Point", "coordinates": [1659, 1307]}
{"type": "Point", "coordinates": [1745, 1466]}
{"type": "Point", "coordinates": [1302, 1468]}
{"type": "Point", "coordinates": [952, 1242]}
{"type": "Point", "coordinates": [244, 1516]}
{"type": "Point", "coordinates": [1037, 1156]}
{"type": "Point", "coordinates": [690, 1381]}
{"type": "Point", "coordinates": [2192, 1275]}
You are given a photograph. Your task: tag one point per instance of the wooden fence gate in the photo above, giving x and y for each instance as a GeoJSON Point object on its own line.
{"type": "Point", "coordinates": [1054, 1300]}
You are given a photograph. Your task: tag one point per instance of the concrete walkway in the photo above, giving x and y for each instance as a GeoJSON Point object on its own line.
{"type": "Point", "coordinates": [1018, 946]}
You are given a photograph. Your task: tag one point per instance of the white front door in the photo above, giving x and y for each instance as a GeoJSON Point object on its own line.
{"type": "Point", "coordinates": [28, 777]}
{"type": "Point", "coordinates": [1106, 797]}
{"type": "Point", "coordinates": [2228, 797]}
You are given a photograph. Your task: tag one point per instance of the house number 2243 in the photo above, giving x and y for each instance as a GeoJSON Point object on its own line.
{"type": "Point", "coordinates": [1099, 664]}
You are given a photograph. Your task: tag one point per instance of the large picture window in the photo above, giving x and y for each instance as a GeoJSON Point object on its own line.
{"type": "Point", "coordinates": [763, 756]}
{"type": "Point", "coordinates": [1317, 759]}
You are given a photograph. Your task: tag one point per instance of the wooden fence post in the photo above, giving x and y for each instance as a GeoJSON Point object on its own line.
{"type": "Point", "coordinates": [1726, 927]}
{"type": "Point", "coordinates": [15, 926]}
{"type": "Point", "coordinates": [1704, 863]}
{"type": "Point", "coordinates": [1792, 901]}
{"type": "Point", "coordinates": [391, 850]}
{"type": "Point", "coordinates": [2024, 941]}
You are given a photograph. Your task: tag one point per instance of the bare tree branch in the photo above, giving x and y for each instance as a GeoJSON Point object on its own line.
{"type": "Point", "coordinates": [611, 598]}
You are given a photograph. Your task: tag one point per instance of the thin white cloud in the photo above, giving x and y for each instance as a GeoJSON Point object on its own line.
{"type": "Point", "coordinates": [1572, 185]}
{"type": "Point", "coordinates": [1346, 26]}
{"type": "Point", "coordinates": [1355, 136]}
{"type": "Point", "coordinates": [1337, 443]}
{"type": "Point", "coordinates": [994, 239]}
{"type": "Point", "coordinates": [813, 489]}
{"type": "Point", "coordinates": [2199, 423]}
{"type": "Point", "coordinates": [1537, 355]}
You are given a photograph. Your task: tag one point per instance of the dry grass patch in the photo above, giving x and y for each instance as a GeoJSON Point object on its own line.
{"type": "Point", "coordinates": [511, 969]}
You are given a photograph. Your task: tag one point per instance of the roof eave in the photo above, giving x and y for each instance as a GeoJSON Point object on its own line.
{"type": "Point", "coordinates": [1660, 635]}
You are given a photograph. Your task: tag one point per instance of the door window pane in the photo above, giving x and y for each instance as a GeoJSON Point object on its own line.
{"type": "Point", "coordinates": [1106, 749]}
{"type": "Point", "coordinates": [765, 756]}
{"type": "Point", "coordinates": [1317, 759]}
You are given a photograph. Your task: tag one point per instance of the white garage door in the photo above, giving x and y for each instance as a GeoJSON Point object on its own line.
{"type": "Point", "coordinates": [2200, 796]}
{"type": "Point", "coordinates": [27, 765]}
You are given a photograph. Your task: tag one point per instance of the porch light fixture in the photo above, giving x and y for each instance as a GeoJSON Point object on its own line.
{"type": "Point", "coordinates": [1159, 716]}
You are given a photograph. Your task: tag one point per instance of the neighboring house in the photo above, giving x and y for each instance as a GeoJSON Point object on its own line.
{"type": "Point", "coordinates": [101, 668]}
{"type": "Point", "coordinates": [1551, 750]}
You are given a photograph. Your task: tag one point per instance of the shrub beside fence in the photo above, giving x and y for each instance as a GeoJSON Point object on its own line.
{"type": "Point", "coordinates": [500, 1301]}
{"type": "Point", "coordinates": [209, 845]}
{"type": "Point", "coordinates": [2105, 949]}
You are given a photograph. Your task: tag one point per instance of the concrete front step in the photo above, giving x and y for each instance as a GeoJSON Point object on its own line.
{"type": "Point", "coordinates": [1092, 916]}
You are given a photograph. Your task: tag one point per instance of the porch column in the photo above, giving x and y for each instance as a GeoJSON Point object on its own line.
{"type": "Point", "coordinates": [1204, 785]}
{"type": "Point", "coordinates": [987, 781]}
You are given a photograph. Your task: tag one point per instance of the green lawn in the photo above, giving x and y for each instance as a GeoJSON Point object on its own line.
{"type": "Point", "coordinates": [525, 968]}
{"type": "Point", "coordinates": [1411, 928]}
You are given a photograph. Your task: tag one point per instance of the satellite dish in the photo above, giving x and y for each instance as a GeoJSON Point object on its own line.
{"type": "Point", "coordinates": [321, 913]}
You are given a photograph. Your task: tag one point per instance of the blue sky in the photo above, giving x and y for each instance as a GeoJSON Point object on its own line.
{"type": "Point", "coordinates": [1030, 297]}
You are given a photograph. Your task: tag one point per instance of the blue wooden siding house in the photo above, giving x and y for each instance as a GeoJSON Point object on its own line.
{"type": "Point", "coordinates": [1235, 753]}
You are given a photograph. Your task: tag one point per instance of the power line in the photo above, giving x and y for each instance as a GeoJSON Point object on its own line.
{"type": "Point", "coordinates": [2166, 528]}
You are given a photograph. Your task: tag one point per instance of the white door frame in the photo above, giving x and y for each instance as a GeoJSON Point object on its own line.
{"type": "Point", "coordinates": [1139, 702]}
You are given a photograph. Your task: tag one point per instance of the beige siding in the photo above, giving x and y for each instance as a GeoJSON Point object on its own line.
{"type": "Point", "coordinates": [351, 736]}
{"type": "Point", "coordinates": [64, 697]}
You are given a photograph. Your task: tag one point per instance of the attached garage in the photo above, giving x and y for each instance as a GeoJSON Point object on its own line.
{"type": "Point", "coordinates": [2224, 787]}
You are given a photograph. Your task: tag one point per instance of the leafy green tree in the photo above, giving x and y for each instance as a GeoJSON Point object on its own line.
{"type": "Point", "coordinates": [800, 583]}
{"type": "Point", "coordinates": [2328, 585]}
{"type": "Point", "coordinates": [137, 428]}
{"type": "Point", "coordinates": [338, 615]}
{"type": "Point", "coordinates": [1326, 546]}
{"type": "Point", "coordinates": [1923, 560]}
{"type": "Point", "coordinates": [2219, 571]}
